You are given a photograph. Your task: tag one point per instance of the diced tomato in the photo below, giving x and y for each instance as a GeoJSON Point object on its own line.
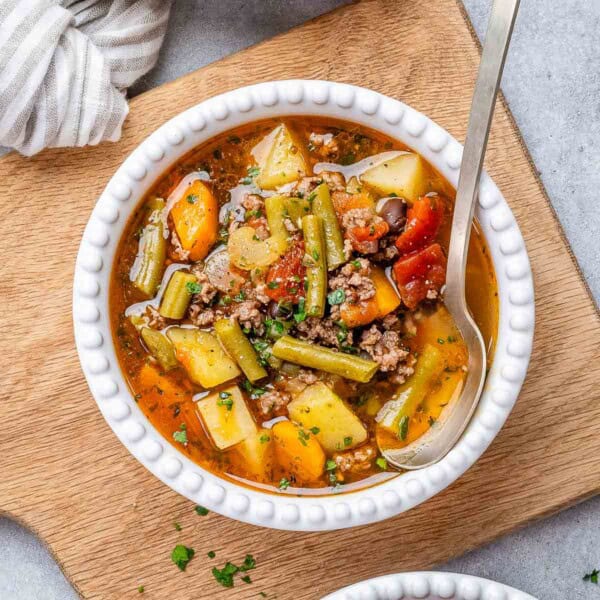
{"type": "Point", "coordinates": [420, 272]}
{"type": "Point", "coordinates": [423, 220]}
{"type": "Point", "coordinates": [285, 279]}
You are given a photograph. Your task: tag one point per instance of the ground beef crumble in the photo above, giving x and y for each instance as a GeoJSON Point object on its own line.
{"type": "Point", "coordinates": [355, 461]}
{"type": "Point", "coordinates": [384, 347]}
{"type": "Point", "coordinates": [248, 315]}
{"type": "Point", "coordinates": [324, 331]}
{"type": "Point", "coordinates": [353, 278]}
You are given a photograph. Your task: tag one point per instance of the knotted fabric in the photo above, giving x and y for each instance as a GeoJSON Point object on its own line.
{"type": "Point", "coordinates": [65, 66]}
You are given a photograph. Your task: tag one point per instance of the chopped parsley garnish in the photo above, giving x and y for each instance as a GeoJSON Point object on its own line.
{"type": "Point", "coordinates": [225, 399]}
{"type": "Point", "coordinates": [192, 198]}
{"type": "Point", "coordinates": [348, 349]}
{"type": "Point", "coordinates": [403, 428]}
{"type": "Point", "coordinates": [255, 392]}
{"type": "Point", "coordinates": [356, 264]}
{"type": "Point", "coordinates": [181, 435]}
{"type": "Point", "coordinates": [177, 526]}
{"type": "Point", "coordinates": [312, 196]}
{"type": "Point", "coordinates": [264, 438]}
{"type": "Point", "coordinates": [181, 556]}
{"type": "Point", "coordinates": [440, 341]}
{"type": "Point", "coordinates": [336, 297]}
{"type": "Point", "coordinates": [592, 577]}
{"type": "Point", "coordinates": [225, 575]}
{"type": "Point", "coordinates": [347, 441]}
{"type": "Point", "coordinates": [381, 463]}
{"type": "Point", "coordinates": [273, 285]}
{"type": "Point", "coordinates": [252, 173]}
{"type": "Point", "coordinates": [240, 297]}
{"type": "Point", "coordinates": [431, 420]}
{"type": "Point", "coordinates": [211, 554]}
{"type": "Point", "coordinates": [451, 339]}
{"type": "Point", "coordinates": [303, 436]}
{"type": "Point", "coordinates": [300, 314]}
{"type": "Point", "coordinates": [275, 328]}
{"type": "Point", "coordinates": [193, 287]}
{"type": "Point", "coordinates": [140, 589]}
{"type": "Point", "coordinates": [200, 510]}
{"type": "Point", "coordinates": [330, 465]}
{"type": "Point", "coordinates": [315, 430]}
{"type": "Point", "coordinates": [315, 254]}
{"type": "Point", "coordinates": [284, 484]}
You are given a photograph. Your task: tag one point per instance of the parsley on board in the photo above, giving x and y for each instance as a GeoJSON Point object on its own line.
{"type": "Point", "coordinates": [181, 435]}
{"type": "Point", "coordinates": [182, 555]}
{"type": "Point", "coordinates": [200, 510]}
{"type": "Point", "coordinates": [225, 575]}
{"type": "Point", "coordinates": [140, 589]}
{"type": "Point", "coordinates": [177, 526]}
{"type": "Point", "coordinates": [592, 577]}
{"type": "Point", "coordinates": [211, 554]}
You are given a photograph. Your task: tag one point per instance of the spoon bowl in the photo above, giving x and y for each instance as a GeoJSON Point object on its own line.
{"type": "Point", "coordinates": [445, 432]}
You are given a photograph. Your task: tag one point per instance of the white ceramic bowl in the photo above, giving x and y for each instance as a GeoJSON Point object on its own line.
{"type": "Point", "coordinates": [428, 586]}
{"type": "Point", "coordinates": [95, 345]}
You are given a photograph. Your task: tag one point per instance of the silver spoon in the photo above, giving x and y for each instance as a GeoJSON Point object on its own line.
{"type": "Point", "coordinates": [443, 435]}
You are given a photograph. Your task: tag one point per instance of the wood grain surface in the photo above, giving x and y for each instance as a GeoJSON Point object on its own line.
{"type": "Point", "coordinates": [108, 521]}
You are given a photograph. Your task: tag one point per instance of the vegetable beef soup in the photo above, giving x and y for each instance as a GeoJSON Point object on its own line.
{"type": "Point", "coordinates": [277, 304]}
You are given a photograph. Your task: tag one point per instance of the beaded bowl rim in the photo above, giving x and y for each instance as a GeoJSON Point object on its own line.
{"type": "Point", "coordinates": [95, 345]}
{"type": "Point", "coordinates": [428, 585]}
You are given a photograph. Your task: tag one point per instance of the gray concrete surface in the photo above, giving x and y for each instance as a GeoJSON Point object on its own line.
{"type": "Point", "coordinates": [552, 83]}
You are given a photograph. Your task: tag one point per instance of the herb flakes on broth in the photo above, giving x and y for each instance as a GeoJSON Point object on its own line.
{"type": "Point", "coordinates": [276, 304]}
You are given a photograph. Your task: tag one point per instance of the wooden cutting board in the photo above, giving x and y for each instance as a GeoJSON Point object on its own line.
{"type": "Point", "coordinates": [108, 521]}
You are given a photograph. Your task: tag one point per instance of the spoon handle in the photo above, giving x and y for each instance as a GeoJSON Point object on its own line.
{"type": "Point", "coordinates": [497, 39]}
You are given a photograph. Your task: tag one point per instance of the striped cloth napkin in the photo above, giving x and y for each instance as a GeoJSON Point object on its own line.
{"type": "Point", "coordinates": [65, 66]}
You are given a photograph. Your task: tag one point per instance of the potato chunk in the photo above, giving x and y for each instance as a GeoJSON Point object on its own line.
{"type": "Point", "coordinates": [247, 252]}
{"type": "Point", "coordinates": [406, 175]}
{"type": "Point", "coordinates": [298, 452]}
{"type": "Point", "coordinates": [226, 417]}
{"type": "Point", "coordinates": [202, 356]}
{"type": "Point", "coordinates": [321, 408]}
{"type": "Point", "coordinates": [257, 454]}
{"type": "Point", "coordinates": [285, 162]}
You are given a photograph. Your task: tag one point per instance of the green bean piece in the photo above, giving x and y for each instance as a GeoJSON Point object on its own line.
{"type": "Point", "coordinates": [429, 367]}
{"type": "Point", "coordinates": [318, 357]}
{"type": "Point", "coordinates": [334, 241]}
{"type": "Point", "coordinates": [238, 346]}
{"type": "Point", "coordinates": [316, 266]}
{"type": "Point", "coordinates": [279, 208]}
{"type": "Point", "coordinates": [177, 296]}
{"type": "Point", "coordinates": [275, 209]}
{"type": "Point", "coordinates": [149, 263]}
{"type": "Point", "coordinates": [160, 347]}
